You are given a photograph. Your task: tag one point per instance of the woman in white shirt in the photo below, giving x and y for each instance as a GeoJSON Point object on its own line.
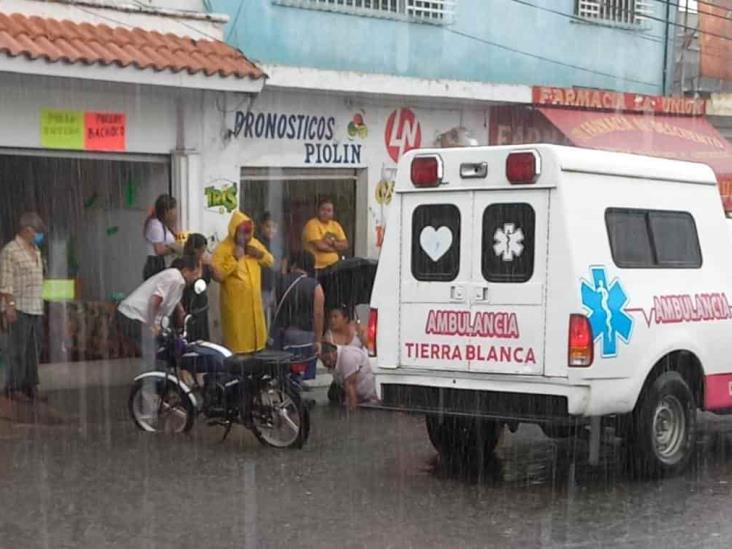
{"type": "Point", "coordinates": [342, 330]}
{"type": "Point", "coordinates": [160, 235]}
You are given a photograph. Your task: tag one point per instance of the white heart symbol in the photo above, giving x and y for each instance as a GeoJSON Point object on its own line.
{"type": "Point", "coordinates": [435, 242]}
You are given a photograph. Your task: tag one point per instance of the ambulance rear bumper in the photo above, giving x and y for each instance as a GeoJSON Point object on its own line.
{"type": "Point", "coordinates": [523, 398]}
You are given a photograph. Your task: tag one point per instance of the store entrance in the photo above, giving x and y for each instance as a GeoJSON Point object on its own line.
{"type": "Point", "coordinates": [94, 206]}
{"type": "Point", "coordinates": [292, 195]}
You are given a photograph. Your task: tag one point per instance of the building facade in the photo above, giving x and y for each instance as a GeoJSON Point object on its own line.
{"type": "Point", "coordinates": [387, 76]}
{"type": "Point", "coordinates": [609, 44]}
{"type": "Point", "coordinates": [102, 111]}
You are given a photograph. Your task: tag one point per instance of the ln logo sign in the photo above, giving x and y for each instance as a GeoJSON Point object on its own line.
{"type": "Point", "coordinates": [403, 133]}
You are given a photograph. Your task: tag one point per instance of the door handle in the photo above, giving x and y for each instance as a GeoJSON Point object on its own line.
{"type": "Point", "coordinates": [480, 294]}
{"type": "Point", "coordinates": [457, 293]}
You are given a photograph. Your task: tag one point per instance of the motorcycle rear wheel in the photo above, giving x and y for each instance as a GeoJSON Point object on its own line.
{"type": "Point", "coordinates": [279, 417]}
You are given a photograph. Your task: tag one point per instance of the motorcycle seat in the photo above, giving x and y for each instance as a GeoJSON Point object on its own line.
{"type": "Point", "coordinates": [261, 362]}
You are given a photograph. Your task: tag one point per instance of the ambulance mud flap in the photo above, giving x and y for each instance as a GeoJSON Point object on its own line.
{"type": "Point", "coordinates": [511, 407]}
{"type": "Point", "coordinates": [595, 432]}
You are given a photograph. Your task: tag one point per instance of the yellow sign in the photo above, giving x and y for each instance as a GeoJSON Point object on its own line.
{"type": "Point", "coordinates": [384, 192]}
{"type": "Point", "coordinates": [62, 129]}
{"type": "Point", "coordinates": [59, 289]}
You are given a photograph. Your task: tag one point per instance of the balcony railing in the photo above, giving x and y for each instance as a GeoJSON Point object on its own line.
{"type": "Point", "coordinates": [619, 12]}
{"type": "Point", "coordinates": [436, 12]}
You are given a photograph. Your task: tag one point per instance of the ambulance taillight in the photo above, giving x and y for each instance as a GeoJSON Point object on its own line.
{"type": "Point", "coordinates": [581, 345]}
{"type": "Point", "coordinates": [426, 171]}
{"type": "Point", "coordinates": [523, 168]}
{"type": "Point", "coordinates": [372, 331]}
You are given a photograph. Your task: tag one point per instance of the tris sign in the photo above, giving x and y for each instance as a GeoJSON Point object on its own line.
{"type": "Point", "coordinates": [403, 133]}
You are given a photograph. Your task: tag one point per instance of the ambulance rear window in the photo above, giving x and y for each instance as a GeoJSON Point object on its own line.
{"type": "Point", "coordinates": [436, 242]}
{"type": "Point", "coordinates": [647, 239]}
{"type": "Point", "coordinates": [508, 242]}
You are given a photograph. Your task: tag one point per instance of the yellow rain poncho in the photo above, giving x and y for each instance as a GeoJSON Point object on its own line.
{"type": "Point", "coordinates": [242, 314]}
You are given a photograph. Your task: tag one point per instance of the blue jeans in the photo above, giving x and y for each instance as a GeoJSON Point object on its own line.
{"type": "Point", "coordinates": [301, 344]}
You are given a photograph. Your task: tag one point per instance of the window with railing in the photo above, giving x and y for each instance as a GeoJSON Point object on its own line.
{"type": "Point", "coordinates": [438, 12]}
{"type": "Point", "coordinates": [620, 12]}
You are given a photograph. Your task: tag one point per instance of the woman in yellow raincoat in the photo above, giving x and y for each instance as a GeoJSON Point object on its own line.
{"type": "Point", "coordinates": [238, 260]}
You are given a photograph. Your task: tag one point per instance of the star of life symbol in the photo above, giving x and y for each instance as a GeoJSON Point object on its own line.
{"type": "Point", "coordinates": [508, 242]}
{"type": "Point", "coordinates": [606, 304]}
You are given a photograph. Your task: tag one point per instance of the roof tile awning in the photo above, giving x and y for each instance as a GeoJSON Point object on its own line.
{"type": "Point", "coordinates": [98, 44]}
{"type": "Point", "coordinates": [692, 139]}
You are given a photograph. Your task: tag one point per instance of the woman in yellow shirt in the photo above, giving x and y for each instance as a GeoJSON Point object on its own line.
{"type": "Point", "coordinates": [238, 261]}
{"type": "Point", "coordinates": [324, 237]}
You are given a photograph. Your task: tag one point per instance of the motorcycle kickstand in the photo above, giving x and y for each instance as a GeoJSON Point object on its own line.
{"type": "Point", "coordinates": [227, 430]}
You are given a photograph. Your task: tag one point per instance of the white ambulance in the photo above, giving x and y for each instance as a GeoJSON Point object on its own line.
{"type": "Point", "coordinates": [559, 286]}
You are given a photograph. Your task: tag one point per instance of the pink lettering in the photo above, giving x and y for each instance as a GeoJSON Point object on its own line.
{"type": "Point", "coordinates": [658, 306]}
{"type": "Point", "coordinates": [456, 354]}
{"type": "Point", "coordinates": [470, 352]}
{"type": "Point", "coordinates": [434, 351]}
{"type": "Point", "coordinates": [452, 323]}
{"type": "Point", "coordinates": [445, 354]}
{"type": "Point", "coordinates": [517, 355]}
{"type": "Point", "coordinates": [492, 355]}
{"type": "Point", "coordinates": [513, 330]}
{"type": "Point", "coordinates": [678, 313]}
{"type": "Point", "coordinates": [496, 324]}
{"type": "Point", "coordinates": [685, 307]}
{"type": "Point", "coordinates": [726, 306]}
{"type": "Point", "coordinates": [431, 327]}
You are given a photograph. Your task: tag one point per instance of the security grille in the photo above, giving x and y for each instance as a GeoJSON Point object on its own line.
{"type": "Point", "coordinates": [623, 12]}
{"type": "Point", "coordinates": [439, 12]}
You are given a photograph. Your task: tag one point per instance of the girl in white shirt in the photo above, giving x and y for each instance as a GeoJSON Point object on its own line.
{"type": "Point", "coordinates": [159, 234]}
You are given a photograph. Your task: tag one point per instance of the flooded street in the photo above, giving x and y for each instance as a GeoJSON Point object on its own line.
{"type": "Point", "coordinates": [366, 480]}
{"type": "Point", "coordinates": [226, 223]}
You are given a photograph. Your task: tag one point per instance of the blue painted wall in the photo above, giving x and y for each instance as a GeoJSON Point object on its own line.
{"type": "Point", "coordinates": [483, 44]}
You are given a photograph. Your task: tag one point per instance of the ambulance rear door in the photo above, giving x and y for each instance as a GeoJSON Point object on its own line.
{"type": "Point", "coordinates": [435, 277]}
{"type": "Point", "coordinates": [507, 288]}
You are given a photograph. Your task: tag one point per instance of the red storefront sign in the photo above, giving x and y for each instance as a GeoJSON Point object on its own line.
{"type": "Point", "coordinates": [105, 131]}
{"type": "Point", "coordinates": [676, 137]}
{"type": "Point", "coordinates": [691, 139]}
{"type": "Point", "coordinates": [521, 125]}
{"type": "Point", "coordinates": [586, 98]}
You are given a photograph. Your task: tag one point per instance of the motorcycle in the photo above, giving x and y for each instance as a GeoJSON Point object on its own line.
{"type": "Point", "coordinates": [258, 390]}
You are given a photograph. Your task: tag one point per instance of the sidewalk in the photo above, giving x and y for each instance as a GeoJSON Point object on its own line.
{"type": "Point", "coordinates": [118, 372]}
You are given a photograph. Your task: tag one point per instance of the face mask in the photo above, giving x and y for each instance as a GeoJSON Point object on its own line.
{"type": "Point", "coordinates": [38, 239]}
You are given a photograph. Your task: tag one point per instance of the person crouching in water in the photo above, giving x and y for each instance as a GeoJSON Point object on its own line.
{"type": "Point", "coordinates": [351, 369]}
{"type": "Point", "coordinates": [238, 261]}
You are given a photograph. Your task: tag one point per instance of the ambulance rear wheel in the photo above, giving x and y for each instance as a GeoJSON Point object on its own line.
{"type": "Point", "coordinates": [663, 432]}
{"type": "Point", "coordinates": [460, 439]}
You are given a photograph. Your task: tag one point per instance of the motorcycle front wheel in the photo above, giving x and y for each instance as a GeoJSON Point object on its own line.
{"type": "Point", "coordinates": [279, 418]}
{"type": "Point", "coordinates": [157, 405]}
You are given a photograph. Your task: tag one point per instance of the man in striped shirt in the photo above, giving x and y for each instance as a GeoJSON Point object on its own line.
{"type": "Point", "coordinates": [21, 290]}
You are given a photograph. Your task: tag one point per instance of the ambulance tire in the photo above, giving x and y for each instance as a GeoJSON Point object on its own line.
{"type": "Point", "coordinates": [662, 436]}
{"type": "Point", "coordinates": [460, 439]}
{"type": "Point", "coordinates": [556, 431]}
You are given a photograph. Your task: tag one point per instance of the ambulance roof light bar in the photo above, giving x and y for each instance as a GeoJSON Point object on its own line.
{"type": "Point", "coordinates": [523, 167]}
{"type": "Point", "coordinates": [426, 171]}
